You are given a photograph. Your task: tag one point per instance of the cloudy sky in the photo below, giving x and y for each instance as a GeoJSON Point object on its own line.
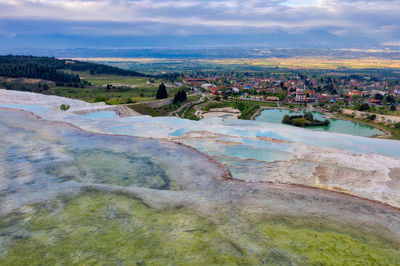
{"type": "Point", "coordinates": [374, 19]}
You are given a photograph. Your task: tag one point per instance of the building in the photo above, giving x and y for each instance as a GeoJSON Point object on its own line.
{"type": "Point", "coordinates": [272, 99]}
{"type": "Point", "coordinates": [300, 97]}
{"type": "Point", "coordinates": [355, 93]}
{"type": "Point", "coordinates": [235, 90]}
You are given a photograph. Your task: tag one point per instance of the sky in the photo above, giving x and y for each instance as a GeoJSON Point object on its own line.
{"type": "Point", "coordinates": [375, 20]}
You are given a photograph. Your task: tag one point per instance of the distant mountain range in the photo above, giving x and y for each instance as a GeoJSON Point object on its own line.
{"type": "Point", "coordinates": [203, 53]}
{"type": "Point", "coordinates": [308, 39]}
{"type": "Point", "coordinates": [278, 44]}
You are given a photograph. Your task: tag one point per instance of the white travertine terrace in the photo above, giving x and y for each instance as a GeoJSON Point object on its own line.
{"type": "Point", "coordinates": [46, 159]}
{"type": "Point", "coordinates": [253, 151]}
{"type": "Point", "coordinates": [54, 102]}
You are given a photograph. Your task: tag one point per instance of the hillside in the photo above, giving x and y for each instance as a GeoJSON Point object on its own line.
{"type": "Point", "coordinates": [87, 81]}
{"type": "Point", "coordinates": [50, 68]}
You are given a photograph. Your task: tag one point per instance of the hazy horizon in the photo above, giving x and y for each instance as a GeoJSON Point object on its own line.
{"type": "Point", "coordinates": [174, 23]}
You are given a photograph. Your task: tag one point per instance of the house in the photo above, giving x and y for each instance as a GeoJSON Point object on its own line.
{"type": "Point", "coordinates": [247, 86]}
{"type": "Point", "coordinates": [235, 90]}
{"type": "Point", "coordinates": [206, 86]}
{"type": "Point", "coordinates": [272, 99]}
{"type": "Point", "coordinates": [300, 97]}
{"type": "Point", "coordinates": [214, 90]}
{"type": "Point", "coordinates": [355, 93]}
{"type": "Point", "coordinates": [375, 101]}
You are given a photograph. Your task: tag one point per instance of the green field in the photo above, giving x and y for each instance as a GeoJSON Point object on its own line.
{"type": "Point", "coordinates": [126, 89]}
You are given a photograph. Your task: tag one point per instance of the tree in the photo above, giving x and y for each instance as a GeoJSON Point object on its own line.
{"type": "Point", "coordinates": [371, 117]}
{"type": "Point", "coordinates": [378, 96]}
{"type": "Point", "coordinates": [282, 95]}
{"type": "Point", "coordinates": [286, 119]}
{"type": "Point", "coordinates": [309, 116]}
{"type": "Point", "coordinates": [390, 99]}
{"type": "Point", "coordinates": [180, 96]}
{"type": "Point", "coordinates": [364, 107]}
{"type": "Point", "coordinates": [392, 108]}
{"type": "Point", "coordinates": [162, 92]}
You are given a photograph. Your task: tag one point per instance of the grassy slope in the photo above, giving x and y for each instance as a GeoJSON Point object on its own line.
{"type": "Point", "coordinates": [139, 92]}
{"type": "Point", "coordinates": [145, 110]}
{"type": "Point", "coordinates": [164, 110]}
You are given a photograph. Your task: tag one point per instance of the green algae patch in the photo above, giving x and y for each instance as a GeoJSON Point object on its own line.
{"type": "Point", "coordinates": [95, 228]}
{"type": "Point", "coordinates": [327, 247]}
{"type": "Point", "coordinates": [100, 228]}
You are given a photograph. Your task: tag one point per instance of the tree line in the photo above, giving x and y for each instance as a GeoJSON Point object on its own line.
{"type": "Point", "coordinates": [50, 68]}
{"type": "Point", "coordinates": [98, 69]}
{"type": "Point", "coordinates": [34, 67]}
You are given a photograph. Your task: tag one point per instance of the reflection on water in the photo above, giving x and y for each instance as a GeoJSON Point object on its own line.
{"type": "Point", "coordinates": [104, 166]}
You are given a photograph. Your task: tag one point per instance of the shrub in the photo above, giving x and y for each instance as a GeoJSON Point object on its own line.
{"type": "Point", "coordinates": [299, 122]}
{"type": "Point", "coordinates": [309, 116]}
{"type": "Point", "coordinates": [100, 99]}
{"type": "Point", "coordinates": [364, 107]}
{"type": "Point", "coordinates": [371, 117]}
{"type": "Point", "coordinates": [64, 107]}
{"type": "Point", "coordinates": [286, 119]}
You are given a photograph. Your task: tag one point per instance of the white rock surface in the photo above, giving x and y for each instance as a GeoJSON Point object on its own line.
{"type": "Point", "coordinates": [54, 102]}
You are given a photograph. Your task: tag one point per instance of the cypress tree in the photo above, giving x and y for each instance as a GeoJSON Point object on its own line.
{"type": "Point", "coordinates": [162, 92]}
{"type": "Point", "coordinates": [180, 96]}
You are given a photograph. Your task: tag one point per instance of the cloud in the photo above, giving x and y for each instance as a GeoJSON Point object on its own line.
{"type": "Point", "coordinates": [376, 18]}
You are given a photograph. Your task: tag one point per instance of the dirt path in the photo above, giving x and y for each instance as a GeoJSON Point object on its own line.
{"type": "Point", "coordinates": [176, 112]}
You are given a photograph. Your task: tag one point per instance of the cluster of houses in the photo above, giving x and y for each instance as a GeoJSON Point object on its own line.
{"type": "Point", "coordinates": [298, 89]}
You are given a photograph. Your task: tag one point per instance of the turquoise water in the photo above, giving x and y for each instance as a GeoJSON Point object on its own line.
{"type": "Point", "coordinates": [178, 132]}
{"type": "Point", "coordinates": [338, 126]}
{"type": "Point", "coordinates": [28, 107]}
{"type": "Point", "coordinates": [162, 127]}
{"type": "Point", "coordinates": [100, 115]}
